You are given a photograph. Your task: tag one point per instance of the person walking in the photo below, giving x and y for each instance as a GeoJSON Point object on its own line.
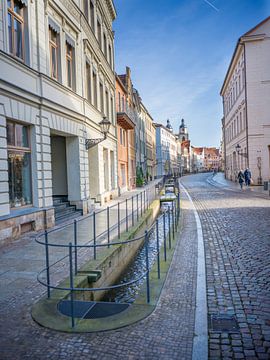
{"type": "Point", "coordinates": [247, 175]}
{"type": "Point", "coordinates": [241, 178]}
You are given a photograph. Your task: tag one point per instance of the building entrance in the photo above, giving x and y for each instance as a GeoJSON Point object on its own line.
{"type": "Point", "coordinates": [59, 166]}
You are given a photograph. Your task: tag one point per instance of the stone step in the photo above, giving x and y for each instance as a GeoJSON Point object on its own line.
{"type": "Point", "coordinates": [68, 218]}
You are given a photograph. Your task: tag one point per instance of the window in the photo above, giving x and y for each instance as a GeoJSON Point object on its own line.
{"type": "Point", "coordinates": [119, 101]}
{"type": "Point", "coordinates": [85, 9]}
{"type": "Point", "coordinates": [16, 28]}
{"type": "Point", "coordinates": [94, 88]}
{"type": "Point", "coordinates": [54, 53]}
{"type": "Point", "coordinates": [99, 32]}
{"type": "Point", "coordinates": [105, 46]}
{"type": "Point", "coordinates": [107, 103]}
{"type": "Point", "coordinates": [110, 55]}
{"type": "Point", "coordinates": [88, 82]}
{"type": "Point", "coordinates": [101, 97]}
{"type": "Point", "coordinates": [121, 136]}
{"type": "Point", "coordinates": [123, 104]}
{"type": "Point", "coordinates": [112, 118]}
{"type": "Point", "coordinates": [19, 165]}
{"type": "Point", "coordinates": [92, 16]}
{"type": "Point", "coordinates": [70, 65]}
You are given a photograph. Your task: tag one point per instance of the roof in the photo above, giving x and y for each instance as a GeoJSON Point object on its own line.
{"type": "Point", "coordinates": [238, 44]}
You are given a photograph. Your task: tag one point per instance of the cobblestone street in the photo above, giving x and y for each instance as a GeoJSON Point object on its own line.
{"type": "Point", "coordinates": [236, 230]}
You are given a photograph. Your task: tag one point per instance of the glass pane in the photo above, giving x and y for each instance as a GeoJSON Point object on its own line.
{"type": "Point", "coordinates": [19, 177]}
{"type": "Point", "coordinates": [69, 79]}
{"type": "Point", "coordinates": [21, 136]}
{"type": "Point", "coordinates": [18, 38]}
{"type": "Point", "coordinates": [9, 3]}
{"type": "Point", "coordinates": [53, 63]}
{"type": "Point", "coordinates": [18, 7]}
{"type": "Point", "coordinates": [10, 134]}
{"type": "Point", "coordinates": [10, 33]}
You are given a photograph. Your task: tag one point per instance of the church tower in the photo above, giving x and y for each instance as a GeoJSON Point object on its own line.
{"type": "Point", "coordinates": [183, 132]}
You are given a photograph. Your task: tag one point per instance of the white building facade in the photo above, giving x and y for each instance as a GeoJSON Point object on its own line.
{"type": "Point", "coordinates": [246, 106]}
{"type": "Point", "coordinates": [56, 85]}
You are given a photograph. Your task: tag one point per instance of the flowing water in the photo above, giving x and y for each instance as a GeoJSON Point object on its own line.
{"type": "Point", "coordinates": [135, 270]}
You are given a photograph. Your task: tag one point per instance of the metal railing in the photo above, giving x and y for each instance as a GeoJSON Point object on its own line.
{"type": "Point", "coordinates": [72, 248]}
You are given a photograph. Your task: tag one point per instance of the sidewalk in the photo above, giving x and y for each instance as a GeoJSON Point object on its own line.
{"type": "Point", "coordinates": [23, 258]}
{"type": "Point", "coordinates": [167, 334]}
{"type": "Point", "coordinates": [218, 179]}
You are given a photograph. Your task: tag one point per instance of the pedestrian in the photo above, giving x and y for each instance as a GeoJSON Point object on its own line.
{"type": "Point", "coordinates": [241, 178]}
{"type": "Point", "coordinates": [247, 175]}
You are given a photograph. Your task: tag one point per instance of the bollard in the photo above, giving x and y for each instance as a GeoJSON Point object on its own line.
{"type": "Point", "coordinates": [94, 235]}
{"type": "Point", "coordinates": [158, 258]}
{"type": "Point", "coordinates": [126, 217]}
{"type": "Point", "coordinates": [147, 266]}
{"type": "Point", "coordinates": [164, 234]}
{"type": "Point", "coordinates": [169, 222]}
{"type": "Point", "coordinates": [47, 264]}
{"type": "Point", "coordinates": [71, 285]}
{"type": "Point", "coordinates": [75, 247]}
{"type": "Point", "coordinates": [118, 219]}
{"type": "Point", "coordinates": [108, 225]}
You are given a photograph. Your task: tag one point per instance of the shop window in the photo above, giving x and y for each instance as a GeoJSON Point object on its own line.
{"type": "Point", "coordinates": [19, 165]}
{"type": "Point", "coordinates": [16, 23]}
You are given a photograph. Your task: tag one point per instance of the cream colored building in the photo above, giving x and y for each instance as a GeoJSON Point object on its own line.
{"type": "Point", "coordinates": [56, 84]}
{"type": "Point", "coordinates": [246, 106]}
{"type": "Point", "coordinates": [150, 139]}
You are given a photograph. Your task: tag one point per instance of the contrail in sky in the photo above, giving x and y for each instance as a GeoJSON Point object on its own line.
{"type": "Point", "coordinates": [208, 2]}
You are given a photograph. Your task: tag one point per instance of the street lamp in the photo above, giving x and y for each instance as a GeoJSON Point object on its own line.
{"type": "Point", "coordinates": [104, 128]}
{"type": "Point", "coordinates": [238, 148]}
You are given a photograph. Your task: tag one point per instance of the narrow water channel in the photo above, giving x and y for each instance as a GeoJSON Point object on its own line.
{"type": "Point", "coordinates": [127, 294]}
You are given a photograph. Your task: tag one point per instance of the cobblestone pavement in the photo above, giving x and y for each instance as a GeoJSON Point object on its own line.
{"type": "Point", "coordinates": [165, 334]}
{"type": "Point", "coordinates": [236, 230]}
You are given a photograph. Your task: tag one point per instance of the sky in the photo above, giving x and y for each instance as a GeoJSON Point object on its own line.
{"type": "Point", "coordinates": [179, 52]}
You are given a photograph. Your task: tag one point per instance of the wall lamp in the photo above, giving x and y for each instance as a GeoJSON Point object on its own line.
{"type": "Point", "coordinates": [238, 148]}
{"type": "Point", "coordinates": [104, 128]}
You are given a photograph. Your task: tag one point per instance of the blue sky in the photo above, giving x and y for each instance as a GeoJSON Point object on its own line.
{"type": "Point", "coordinates": [179, 52]}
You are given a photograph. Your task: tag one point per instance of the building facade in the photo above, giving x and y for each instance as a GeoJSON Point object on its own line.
{"type": "Point", "coordinates": [126, 140]}
{"type": "Point", "coordinates": [183, 143]}
{"type": "Point", "coordinates": [150, 142]}
{"type": "Point", "coordinates": [246, 93]}
{"type": "Point", "coordinates": [166, 150]}
{"type": "Point", "coordinates": [56, 85]}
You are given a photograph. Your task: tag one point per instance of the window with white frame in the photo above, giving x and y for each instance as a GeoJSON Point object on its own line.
{"type": "Point", "coordinates": [70, 64]}
{"type": "Point", "coordinates": [54, 48]}
{"type": "Point", "coordinates": [16, 28]}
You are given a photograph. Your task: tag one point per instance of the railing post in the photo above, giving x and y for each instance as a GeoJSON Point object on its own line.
{"type": "Point", "coordinates": [108, 225]}
{"type": "Point", "coordinates": [147, 266]}
{"type": "Point", "coordinates": [173, 229]}
{"type": "Point", "coordinates": [75, 247]}
{"type": "Point", "coordinates": [132, 208]}
{"type": "Point", "coordinates": [94, 235]}
{"type": "Point", "coordinates": [169, 222]}
{"type": "Point", "coordinates": [71, 285]}
{"type": "Point", "coordinates": [126, 215]}
{"type": "Point", "coordinates": [118, 219]}
{"type": "Point", "coordinates": [164, 235]}
{"type": "Point", "coordinates": [144, 201]}
{"type": "Point", "coordinates": [137, 196]}
{"type": "Point", "coordinates": [178, 203]}
{"type": "Point", "coordinates": [158, 258]}
{"type": "Point", "coordinates": [141, 204]}
{"type": "Point", "coordinates": [47, 264]}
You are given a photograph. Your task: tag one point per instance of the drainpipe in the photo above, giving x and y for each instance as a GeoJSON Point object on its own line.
{"type": "Point", "coordinates": [245, 67]}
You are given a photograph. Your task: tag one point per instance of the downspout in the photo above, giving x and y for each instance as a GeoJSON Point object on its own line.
{"type": "Point", "coordinates": [245, 67]}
